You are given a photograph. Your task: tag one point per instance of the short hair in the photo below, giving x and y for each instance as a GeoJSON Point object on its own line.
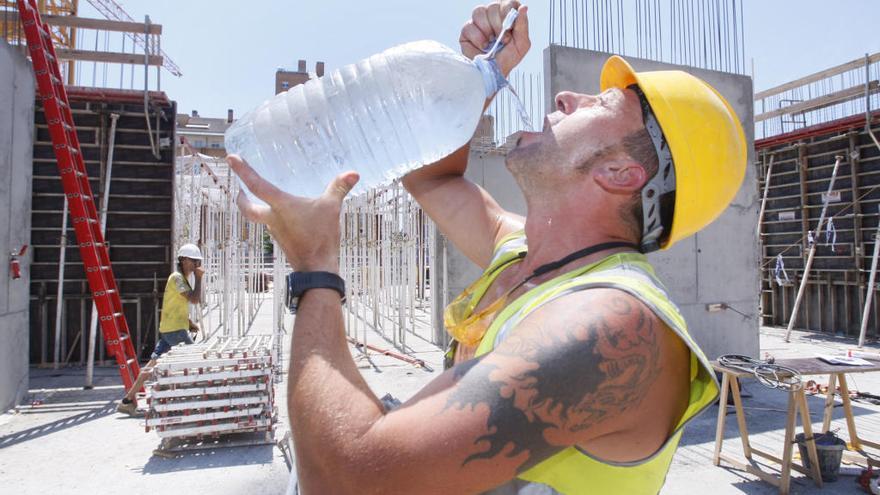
{"type": "Point", "coordinates": [639, 146]}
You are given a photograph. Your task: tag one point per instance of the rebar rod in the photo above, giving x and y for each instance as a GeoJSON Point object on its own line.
{"type": "Point", "coordinates": [870, 289]}
{"type": "Point", "coordinates": [105, 199]}
{"type": "Point", "coordinates": [59, 306]}
{"type": "Point", "coordinates": [813, 241]}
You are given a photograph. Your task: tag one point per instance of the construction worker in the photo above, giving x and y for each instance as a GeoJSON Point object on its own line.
{"type": "Point", "coordinates": [175, 325]}
{"type": "Point", "coordinates": [572, 371]}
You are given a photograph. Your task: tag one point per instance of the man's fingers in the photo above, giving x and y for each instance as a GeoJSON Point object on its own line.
{"type": "Point", "coordinates": [493, 13]}
{"type": "Point", "coordinates": [472, 40]}
{"type": "Point", "coordinates": [521, 31]}
{"type": "Point", "coordinates": [341, 185]}
{"type": "Point", "coordinates": [480, 19]}
{"type": "Point", "coordinates": [256, 184]}
{"type": "Point", "coordinates": [251, 211]}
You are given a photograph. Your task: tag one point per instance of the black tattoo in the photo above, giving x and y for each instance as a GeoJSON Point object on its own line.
{"type": "Point", "coordinates": [573, 380]}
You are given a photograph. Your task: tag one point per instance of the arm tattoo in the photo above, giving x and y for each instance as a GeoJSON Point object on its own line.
{"type": "Point", "coordinates": [573, 379]}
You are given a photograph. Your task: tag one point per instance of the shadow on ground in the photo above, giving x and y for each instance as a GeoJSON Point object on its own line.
{"type": "Point", "coordinates": [58, 425]}
{"type": "Point", "coordinates": [765, 411]}
{"type": "Point", "coordinates": [209, 458]}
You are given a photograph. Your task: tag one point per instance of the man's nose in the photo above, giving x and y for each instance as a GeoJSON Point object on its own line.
{"type": "Point", "coordinates": [567, 102]}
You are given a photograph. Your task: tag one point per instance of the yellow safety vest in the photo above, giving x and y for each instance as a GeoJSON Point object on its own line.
{"type": "Point", "coordinates": [175, 306]}
{"type": "Point", "coordinates": [572, 471]}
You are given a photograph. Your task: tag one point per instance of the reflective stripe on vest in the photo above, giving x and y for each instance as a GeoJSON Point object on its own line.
{"type": "Point", "coordinates": [572, 470]}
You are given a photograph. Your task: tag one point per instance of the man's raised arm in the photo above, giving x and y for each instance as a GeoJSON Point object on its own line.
{"type": "Point", "coordinates": [464, 211]}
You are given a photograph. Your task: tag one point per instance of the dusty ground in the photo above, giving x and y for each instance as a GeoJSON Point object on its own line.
{"type": "Point", "coordinates": [64, 439]}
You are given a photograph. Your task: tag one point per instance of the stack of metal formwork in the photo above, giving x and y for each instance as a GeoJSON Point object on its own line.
{"type": "Point", "coordinates": [202, 392]}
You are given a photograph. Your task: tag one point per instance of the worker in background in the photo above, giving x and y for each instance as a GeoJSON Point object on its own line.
{"type": "Point", "coordinates": [174, 324]}
{"type": "Point", "coordinates": [572, 371]}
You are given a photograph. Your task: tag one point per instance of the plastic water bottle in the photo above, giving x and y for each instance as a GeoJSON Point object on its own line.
{"type": "Point", "coordinates": [384, 116]}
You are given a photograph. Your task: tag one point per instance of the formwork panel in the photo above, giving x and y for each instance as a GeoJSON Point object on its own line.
{"type": "Point", "coordinates": [139, 221]}
{"type": "Point", "coordinates": [803, 163]}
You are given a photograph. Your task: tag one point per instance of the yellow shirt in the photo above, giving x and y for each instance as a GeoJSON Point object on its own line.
{"type": "Point", "coordinates": [175, 305]}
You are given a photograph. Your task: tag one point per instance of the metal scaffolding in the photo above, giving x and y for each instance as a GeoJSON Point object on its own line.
{"type": "Point", "coordinates": [387, 252]}
{"type": "Point", "coordinates": [237, 253]}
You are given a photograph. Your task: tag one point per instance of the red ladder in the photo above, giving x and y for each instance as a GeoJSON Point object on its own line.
{"type": "Point", "coordinates": [75, 181]}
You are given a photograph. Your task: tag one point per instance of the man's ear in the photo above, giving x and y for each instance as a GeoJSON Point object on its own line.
{"type": "Point", "coordinates": [620, 176]}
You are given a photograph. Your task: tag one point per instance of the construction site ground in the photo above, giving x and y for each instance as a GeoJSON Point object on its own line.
{"type": "Point", "coordinates": [64, 439]}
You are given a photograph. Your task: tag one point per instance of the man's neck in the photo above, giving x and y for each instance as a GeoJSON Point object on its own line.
{"type": "Point", "coordinates": [554, 235]}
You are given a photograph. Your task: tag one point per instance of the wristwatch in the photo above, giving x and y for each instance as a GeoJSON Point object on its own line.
{"type": "Point", "coordinates": [299, 282]}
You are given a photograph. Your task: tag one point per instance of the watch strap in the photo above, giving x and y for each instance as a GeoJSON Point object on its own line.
{"type": "Point", "coordinates": [300, 282]}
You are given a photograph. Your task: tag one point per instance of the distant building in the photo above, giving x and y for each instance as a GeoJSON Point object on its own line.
{"type": "Point", "coordinates": [286, 79]}
{"type": "Point", "coordinates": [205, 135]}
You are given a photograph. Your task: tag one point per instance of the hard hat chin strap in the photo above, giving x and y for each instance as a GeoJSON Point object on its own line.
{"type": "Point", "coordinates": [660, 185]}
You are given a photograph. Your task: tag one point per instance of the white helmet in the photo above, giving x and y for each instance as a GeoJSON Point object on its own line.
{"type": "Point", "coordinates": [189, 251]}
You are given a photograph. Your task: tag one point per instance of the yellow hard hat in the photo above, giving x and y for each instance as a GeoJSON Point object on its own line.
{"type": "Point", "coordinates": [705, 138]}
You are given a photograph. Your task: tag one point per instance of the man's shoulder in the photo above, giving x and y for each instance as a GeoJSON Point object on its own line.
{"type": "Point", "coordinates": [178, 281]}
{"type": "Point", "coordinates": [596, 354]}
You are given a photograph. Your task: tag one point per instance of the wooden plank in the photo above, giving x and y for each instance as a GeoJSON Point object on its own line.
{"type": "Point", "coordinates": [841, 96]}
{"type": "Point", "coordinates": [777, 460]}
{"type": "Point", "coordinates": [769, 478]}
{"type": "Point", "coordinates": [97, 24]}
{"type": "Point", "coordinates": [110, 57]}
{"type": "Point", "coordinates": [815, 366]}
{"type": "Point", "coordinates": [828, 415]}
{"type": "Point", "coordinates": [722, 413]}
{"type": "Point", "coordinates": [854, 64]}
{"type": "Point", "coordinates": [848, 413]}
{"type": "Point", "coordinates": [790, 418]}
{"type": "Point", "coordinates": [741, 418]}
{"type": "Point", "coordinates": [807, 424]}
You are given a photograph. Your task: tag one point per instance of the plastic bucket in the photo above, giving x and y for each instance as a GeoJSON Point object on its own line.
{"type": "Point", "coordinates": [829, 449]}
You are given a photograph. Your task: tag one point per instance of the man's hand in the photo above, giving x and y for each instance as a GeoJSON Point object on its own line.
{"type": "Point", "coordinates": [306, 228]}
{"type": "Point", "coordinates": [194, 327]}
{"type": "Point", "coordinates": [485, 25]}
{"type": "Point", "coordinates": [199, 271]}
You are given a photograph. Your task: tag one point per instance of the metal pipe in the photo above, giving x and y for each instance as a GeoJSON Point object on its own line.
{"type": "Point", "coordinates": [105, 199]}
{"type": "Point", "coordinates": [870, 292]}
{"type": "Point", "coordinates": [764, 199]}
{"type": "Point", "coordinates": [153, 144]}
{"type": "Point", "coordinates": [59, 307]}
{"type": "Point", "coordinates": [806, 274]}
{"type": "Point", "coordinates": [868, 101]}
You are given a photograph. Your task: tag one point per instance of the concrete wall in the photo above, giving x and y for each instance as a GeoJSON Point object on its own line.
{"type": "Point", "coordinates": [16, 142]}
{"type": "Point", "coordinates": [720, 264]}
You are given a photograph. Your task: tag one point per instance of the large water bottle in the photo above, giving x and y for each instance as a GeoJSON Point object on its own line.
{"type": "Point", "coordinates": [384, 116]}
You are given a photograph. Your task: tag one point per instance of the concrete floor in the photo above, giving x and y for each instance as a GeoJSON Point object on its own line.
{"type": "Point", "coordinates": [67, 440]}
{"type": "Point", "coordinates": [692, 470]}
{"type": "Point", "coordinates": [64, 439]}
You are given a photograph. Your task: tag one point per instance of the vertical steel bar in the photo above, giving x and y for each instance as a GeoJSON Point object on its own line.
{"type": "Point", "coordinates": [59, 306]}
{"type": "Point", "coordinates": [870, 289]}
{"type": "Point", "coordinates": [764, 198]}
{"type": "Point", "coordinates": [806, 274]}
{"type": "Point", "coordinates": [105, 199]}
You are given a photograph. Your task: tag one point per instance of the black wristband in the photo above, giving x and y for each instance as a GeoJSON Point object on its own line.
{"type": "Point", "coordinates": [300, 282]}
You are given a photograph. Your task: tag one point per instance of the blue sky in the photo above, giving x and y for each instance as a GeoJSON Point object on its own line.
{"type": "Point", "coordinates": [228, 51]}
